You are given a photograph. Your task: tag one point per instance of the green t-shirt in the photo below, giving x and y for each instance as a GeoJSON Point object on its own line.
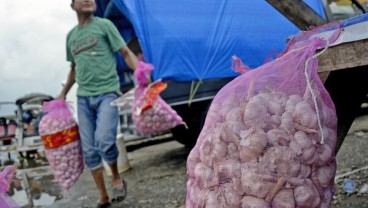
{"type": "Point", "coordinates": [92, 48]}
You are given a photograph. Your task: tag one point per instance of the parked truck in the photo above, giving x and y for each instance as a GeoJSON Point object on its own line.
{"type": "Point", "coordinates": [191, 44]}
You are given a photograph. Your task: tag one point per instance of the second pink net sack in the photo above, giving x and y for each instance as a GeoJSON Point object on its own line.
{"type": "Point", "coordinates": [60, 137]}
{"type": "Point", "coordinates": [150, 113]}
{"type": "Point", "coordinates": [269, 138]}
{"type": "Point", "coordinates": [6, 177]}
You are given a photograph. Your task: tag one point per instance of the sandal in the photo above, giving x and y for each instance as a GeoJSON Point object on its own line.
{"type": "Point", "coordinates": [119, 193]}
{"type": "Point", "coordinates": [105, 205]}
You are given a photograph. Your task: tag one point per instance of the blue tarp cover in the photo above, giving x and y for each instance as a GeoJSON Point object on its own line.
{"type": "Point", "coordinates": [196, 39]}
{"type": "Point", "coordinates": [355, 20]}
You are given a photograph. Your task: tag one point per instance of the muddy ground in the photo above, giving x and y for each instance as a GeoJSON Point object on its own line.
{"type": "Point", "coordinates": [157, 178]}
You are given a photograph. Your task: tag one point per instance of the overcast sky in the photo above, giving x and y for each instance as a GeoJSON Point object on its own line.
{"type": "Point", "coordinates": [32, 51]}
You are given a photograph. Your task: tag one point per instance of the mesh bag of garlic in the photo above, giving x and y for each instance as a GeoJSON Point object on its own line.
{"type": "Point", "coordinates": [59, 133]}
{"type": "Point", "coordinates": [269, 138]}
{"type": "Point", "coordinates": [150, 113]}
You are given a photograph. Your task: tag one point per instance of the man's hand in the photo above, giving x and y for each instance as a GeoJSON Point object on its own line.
{"type": "Point", "coordinates": [62, 96]}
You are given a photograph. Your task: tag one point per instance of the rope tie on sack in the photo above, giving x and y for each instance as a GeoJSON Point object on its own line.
{"type": "Point", "coordinates": [309, 85]}
{"type": "Point", "coordinates": [193, 90]}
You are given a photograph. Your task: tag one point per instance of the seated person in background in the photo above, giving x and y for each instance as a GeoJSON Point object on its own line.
{"type": "Point", "coordinates": [27, 118]}
{"type": "Point", "coordinates": [38, 119]}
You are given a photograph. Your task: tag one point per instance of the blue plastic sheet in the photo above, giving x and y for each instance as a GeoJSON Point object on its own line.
{"type": "Point", "coordinates": [355, 20]}
{"type": "Point", "coordinates": [195, 39]}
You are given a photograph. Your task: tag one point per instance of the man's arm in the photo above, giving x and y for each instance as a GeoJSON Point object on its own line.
{"type": "Point", "coordinates": [69, 82]}
{"type": "Point", "coordinates": [130, 59]}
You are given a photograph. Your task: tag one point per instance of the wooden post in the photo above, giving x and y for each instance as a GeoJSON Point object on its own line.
{"type": "Point", "coordinates": [298, 13]}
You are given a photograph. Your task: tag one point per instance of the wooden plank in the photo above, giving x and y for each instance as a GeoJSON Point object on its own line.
{"type": "Point", "coordinates": [298, 13]}
{"type": "Point", "coordinates": [344, 56]}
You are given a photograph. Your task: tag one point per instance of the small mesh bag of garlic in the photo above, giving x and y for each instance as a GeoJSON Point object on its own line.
{"type": "Point", "coordinates": [59, 133]}
{"type": "Point", "coordinates": [150, 113]}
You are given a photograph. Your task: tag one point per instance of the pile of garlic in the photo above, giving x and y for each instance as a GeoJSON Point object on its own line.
{"type": "Point", "coordinates": [269, 150]}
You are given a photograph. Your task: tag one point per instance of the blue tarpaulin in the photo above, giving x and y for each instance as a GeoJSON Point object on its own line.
{"type": "Point", "coordinates": [195, 39]}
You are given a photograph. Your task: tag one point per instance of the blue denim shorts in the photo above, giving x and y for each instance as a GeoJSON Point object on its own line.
{"type": "Point", "coordinates": [98, 121]}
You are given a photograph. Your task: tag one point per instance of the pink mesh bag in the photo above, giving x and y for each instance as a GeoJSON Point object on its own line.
{"type": "Point", "coordinates": [6, 176]}
{"type": "Point", "coordinates": [269, 138]}
{"type": "Point", "coordinates": [151, 114]}
{"type": "Point", "coordinates": [58, 117]}
{"type": "Point", "coordinates": [60, 137]}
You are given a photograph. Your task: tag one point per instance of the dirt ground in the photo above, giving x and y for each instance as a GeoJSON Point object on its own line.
{"type": "Point", "coordinates": [352, 162]}
{"type": "Point", "coordinates": [157, 178]}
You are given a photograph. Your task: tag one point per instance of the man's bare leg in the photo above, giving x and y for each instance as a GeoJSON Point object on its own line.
{"type": "Point", "coordinates": [100, 183]}
{"type": "Point", "coordinates": [116, 178]}
{"type": "Point", "coordinates": [119, 191]}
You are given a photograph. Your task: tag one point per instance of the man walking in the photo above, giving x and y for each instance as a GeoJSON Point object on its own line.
{"type": "Point", "coordinates": [91, 45]}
